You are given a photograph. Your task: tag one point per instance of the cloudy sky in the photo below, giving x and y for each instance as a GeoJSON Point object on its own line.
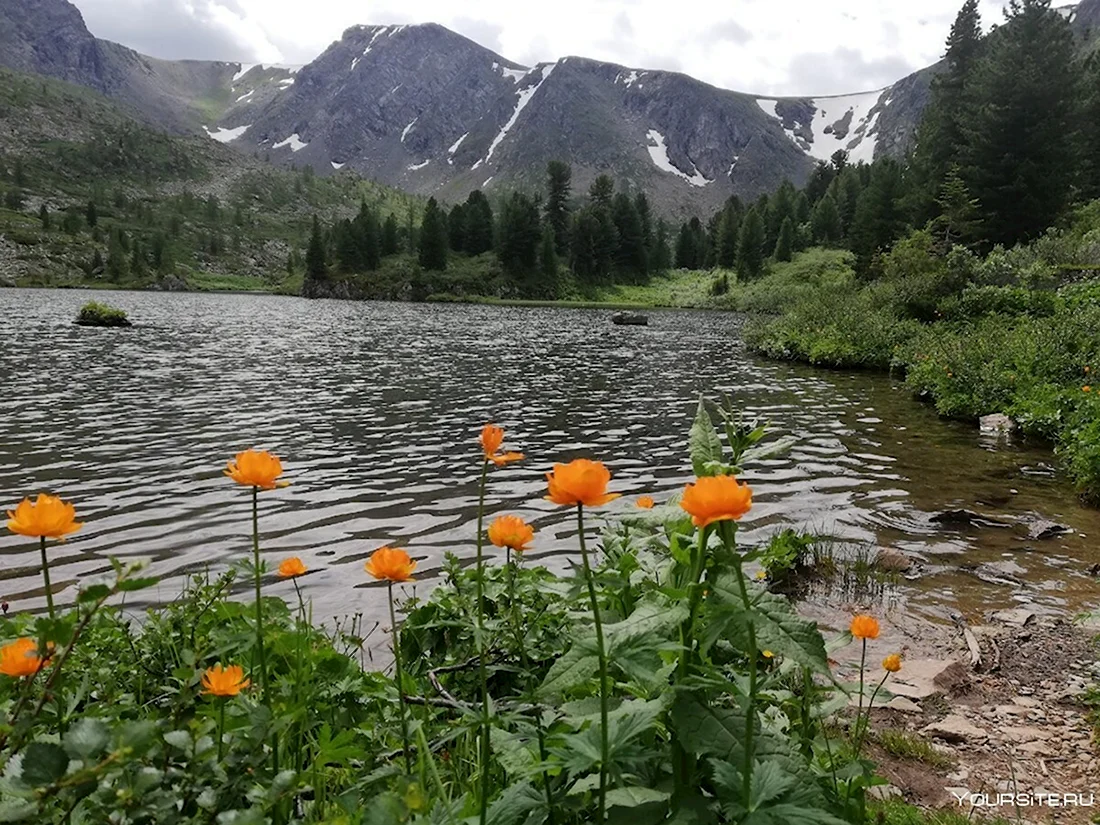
{"type": "Point", "coordinates": [796, 47]}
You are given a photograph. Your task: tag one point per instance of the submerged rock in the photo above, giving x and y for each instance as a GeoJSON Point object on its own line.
{"type": "Point", "coordinates": [996, 423]}
{"type": "Point", "coordinates": [892, 561]}
{"type": "Point", "coordinates": [635, 319]}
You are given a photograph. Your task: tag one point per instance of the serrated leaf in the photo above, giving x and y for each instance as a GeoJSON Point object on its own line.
{"type": "Point", "coordinates": [774, 448]}
{"type": "Point", "coordinates": [704, 444]}
{"type": "Point", "coordinates": [93, 593]}
{"type": "Point", "coordinates": [17, 810]}
{"type": "Point", "coordinates": [43, 764]}
{"type": "Point", "coordinates": [515, 804]}
{"type": "Point", "coordinates": [129, 585]}
{"type": "Point", "coordinates": [575, 667]}
{"type": "Point", "coordinates": [85, 739]}
{"type": "Point", "coordinates": [512, 753]}
{"type": "Point", "coordinates": [635, 796]}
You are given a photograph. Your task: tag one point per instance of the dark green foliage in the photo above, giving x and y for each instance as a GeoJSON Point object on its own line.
{"type": "Point", "coordinates": [691, 245]}
{"type": "Point", "coordinates": [631, 255]}
{"type": "Point", "coordinates": [477, 216]}
{"type": "Point", "coordinates": [602, 192]}
{"type": "Point", "coordinates": [662, 254]}
{"type": "Point", "coordinates": [433, 237]}
{"type": "Point", "coordinates": [316, 265]}
{"type": "Point", "coordinates": [559, 177]}
{"type": "Point", "coordinates": [825, 224]}
{"type": "Point", "coordinates": [389, 235]}
{"type": "Point", "coordinates": [520, 233]}
{"type": "Point", "coordinates": [548, 261]}
{"type": "Point", "coordinates": [14, 199]}
{"type": "Point", "coordinates": [456, 228]}
{"type": "Point", "coordinates": [1090, 128]}
{"type": "Point", "coordinates": [879, 217]}
{"type": "Point", "coordinates": [1020, 156]}
{"type": "Point", "coordinates": [94, 314]}
{"type": "Point", "coordinates": [750, 245]}
{"type": "Point", "coordinates": [784, 245]}
{"type": "Point", "coordinates": [91, 215]}
{"type": "Point", "coordinates": [957, 221]}
{"type": "Point", "coordinates": [44, 217]}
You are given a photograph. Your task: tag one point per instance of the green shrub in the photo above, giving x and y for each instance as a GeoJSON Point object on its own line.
{"type": "Point", "coordinates": [95, 314]}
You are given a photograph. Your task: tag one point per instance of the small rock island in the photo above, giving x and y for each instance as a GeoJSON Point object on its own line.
{"type": "Point", "coordinates": [95, 314]}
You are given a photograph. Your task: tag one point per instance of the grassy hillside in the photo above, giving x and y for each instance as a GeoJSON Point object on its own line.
{"type": "Point", "coordinates": [88, 196]}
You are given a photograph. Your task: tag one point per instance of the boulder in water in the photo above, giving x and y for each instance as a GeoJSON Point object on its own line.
{"type": "Point", "coordinates": [635, 319]}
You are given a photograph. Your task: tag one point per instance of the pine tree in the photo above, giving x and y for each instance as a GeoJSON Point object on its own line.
{"type": "Point", "coordinates": [630, 252]}
{"type": "Point", "coordinates": [820, 180]}
{"type": "Point", "coordinates": [548, 262]}
{"type": "Point", "coordinates": [456, 228]}
{"type": "Point", "coordinates": [389, 235]}
{"type": "Point", "coordinates": [44, 217]}
{"type": "Point", "coordinates": [477, 216]}
{"type": "Point", "coordinates": [559, 187]}
{"type": "Point", "coordinates": [584, 240]}
{"type": "Point", "coordinates": [784, 245]}
{"type": "Point", "coordinates": [602, 191]}
{"type": "Point", "coordinates": [370, 243]}
{"type": "Point", "coordinates": [750, 245]}
{"type": "Point", "coordinates": [729, 234]}
{"type": "Point", "coordinates": [880, 216]}
{"type": "Point", "coordinates": [347, 247]}
{"type": "Point", "coordinates": [825, 223]}
{"type": "Point", "coordinates": [519, 235]}
{"type": "Point", "coordinates": [117, 266]}
{"type": "Point", "coordinates": [780, 207]}
{"type": "Point", "coordinates": [1020, 161]}
{"type": "Point", "coordinates": [316, 266]}
{"type": "Point", "coordinates": [958, 218]}
{"type": "Point", "coordinates": [802, 209]}
{"type": "Point", "coordinates": [685, 248]}
{"type": "Point", "coordinates": [139, 268]}
{"type": "Point", "coordinates": [433, 238]}
{"type": "Point", "coordinates": [645, 215]}
{"type": "Point", "coordinates": [96, 266]}
{"type": "Point", "coordinates": [662, 256]}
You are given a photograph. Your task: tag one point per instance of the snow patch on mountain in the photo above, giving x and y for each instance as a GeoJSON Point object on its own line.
{"type": "Point", "coordinates": [454, 148]}
{"type": "Point", "coordinates": [226, 135]}
{"type": "Point", "coordinates": [515, 74]}
{"type": "Point", "coordinates": [295, 143]}
{"type": "Point", "coordinates": [244, 69]}
{"type": "Point", "coordinates": [337, 166]}
{"type": "Point", "coordinates": [420, 165]}
{"type": "Point", "coordinates": [407, 129]}
{"type": "Point", "coordinates": [658, 152]}
{"type": "Point", "coordinates": [858, 139]}
{"type": "Point", "coordinates": [628, 79]}
{"type": "Point", "coordinates": [524, 96]}
{"type": "Point", "coordinates": [246, 96]}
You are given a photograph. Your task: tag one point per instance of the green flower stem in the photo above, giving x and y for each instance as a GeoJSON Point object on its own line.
{"type": "Point", "coordinates": [256, 576]}
{"type": "Point", "coordinates": [681, 758]}
{"type": "Point", "coordinates": [485, 752]}
{"type": "Point", "coordinates": [753, 653]}
{"type": "Point", "coordinates": [605, 748]}
{"type": "Point", "coordinates": [46, 575]}
{"type": "Point", "coordinates": [221, 727]}
{"type": "Point", "coordinates": [525, 662]}
{"type": "Point", "coordinates": [398, 673]}
{"type": "Point", "coordinates": [861, 729]}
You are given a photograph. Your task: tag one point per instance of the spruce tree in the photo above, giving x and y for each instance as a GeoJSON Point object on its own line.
{"type": "Point", "coordinates": [91, 215]}
{"type": "Point", "coordinates": [584, 240]}
{"type": "Point", "coordinates": [559, 187]}
{"type": "Point", "coordinates": [957, 221]}
{"type": "Point", "coordinates": [685, 248]}
{"type": "Point", "coordinates": [316, 266]}
{"type": "Point", "coordinates": [750, 246]}
{"type": "Point", "coordinates": [661, 259]}
{"type": "Point", "coordinates": [456, 228]}
{"type": "Point", "coordinates": [784, 245]}
{"type": "Point", "coordinates": [825, 225]}
{"type": "Point", "coordinates": [389, 235]}
{"type": "Point", "coordinates": [477, 216]}
{"type": "Point", "coordinates": [729, 234]}
{"type": "Point", "coordinates": [880, 216]}
{"type": "Point", "coordinates": [780, 207]}
{"type": "Point", "coordinates": [1020, 159]}
{"type": "Point", "coordinates": [1090, 129]}
{"type": "Point", "coordinates": [519, 235]}
{"type": "Point", "coordinates": [548, 263]}
{"type": "Point", "coordinates": [645, 215]}
{"type": "Point", "coordinates": [630, 251]}
{"type": "Point", "coordinates": [347, 247]}
{"type": "Point", "coordinates": [602, 191]}
{"type": "Point", "coordinates": [433, 238]}
{"type": "Point", "coordinates": [44, 217]}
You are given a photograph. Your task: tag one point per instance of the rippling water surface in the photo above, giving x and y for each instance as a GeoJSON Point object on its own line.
{"type": "Point", "coordinates": [375, 409]}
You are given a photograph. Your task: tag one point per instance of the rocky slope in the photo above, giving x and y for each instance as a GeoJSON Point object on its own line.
{"type": "Point", "coordinates": [425, 109]}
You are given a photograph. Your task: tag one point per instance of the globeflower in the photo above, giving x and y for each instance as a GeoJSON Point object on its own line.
{"type": "Point", "coordinates": [864, 627]}
{"type": "Point", "coordinates": [580, 482]}
{"type": "Point", "coordinates": [47, 517]}
{"type": "Point", "coordinates": [20, 658]}
{"type": "Point", "coordinates": [512, 532]}
{"type": "Point", "coordinates": [892, 663]}
{"type": "Point", "coordinates": [1086, 388]}
{"type": "Point", "coordinates": [645, 503]}
{"type": "Point", "coordinates": [291, 568]}
{"type": "Point", "coordinates": [256, 468]}
{"type": "Point", "coordinates": [716, 498]}
{"type": "Point", "coordinates": [390, 564]}
{"type": "Point", "coordinates": [229, 681]}
{"type": "Point", "coordinates": [492, 437]}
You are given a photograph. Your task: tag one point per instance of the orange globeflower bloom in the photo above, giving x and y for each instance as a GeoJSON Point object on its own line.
{"type": "Point", "coordinates": [492, 437]}
{"type": "Point", "coordinates": [47, 517]}
{"type": "Point", "coordinates": [291, 568]}
{"type": "Point", "coordinates": [864, 627]}
{"type": "Point", "coordinates": [390, 564]}
{"type": "Point", "coordinates": [256, 468]}
{"type": "Point", "coordinates": [224, 682]}
{"type": "Point", "coordinates": [20, 658]}
{"type": "Point", "coordinates": [892, 663]}
{"type": "Point", "coordinates": [716, 498]}
{"type": "Point", "coordinates": [580, 482]}
{"type": "Point", "coordinates": [1086, 388]}
{"type": "Point", "coordinates": [644, 503]}
{"type": "Point", "coordinates": [511, 531]}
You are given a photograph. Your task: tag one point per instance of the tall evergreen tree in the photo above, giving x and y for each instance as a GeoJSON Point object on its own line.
{"type": "Point", "coordinates": [602, 192]}
{"type": "Point", "coordinates": [559, 188]}
{"type": "Point", "coordinates": [750, 246]}
{"type": "Point", "coordinates": [630, 251]}
{"type": "Point", "coordinates": [645, 215]}
{"type": "Point", "coordinates": [519, 235]}
{"type": "Point", "coordinates": [780, 207]}
{"type": "Point", "coordinates": [784, 244]}
{"type": "Point", "coordinates": [729, 235]}
{"type": "Point", "coordinates": [477, 215]}
{"type": "Point", "coordinates": [433, 237]}
{"type": "Point", "coordinates": [880, 217]}
{"type": "Point", "coordinates": [1090, 129]}
{"type": "Point", "coordinates": [662, 256]}
{"type": "Point", "coordinates": [583, 246]}
{"type": "Point", "coordinates": [825, 225]}
{"type": "Point", "coordinates": [1020, 161]}
{"type": "Point", "coordinates": [316, 265]}
{"type": "Point", "coordinates": [456, 228]}
{"type": "Point", "coordinates": [44, 217]}
{"type": "Point", "coordinates": [389, 235]}
{"type": "Point", "coordinates": [958, 212]}
{"type": "Point", "coordinates": [548, 263]}
{"type": "Point", "coordinates": [91, 215]}
{"type": "Point", "coordinates": [685, 248]}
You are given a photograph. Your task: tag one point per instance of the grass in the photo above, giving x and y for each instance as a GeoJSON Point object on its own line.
{"type": "Point", "coordinates": [906, 745]}
{"type": "Point", "coordinates": [896, 812]}
{"type": "Point", "coordinates": [95, 314]}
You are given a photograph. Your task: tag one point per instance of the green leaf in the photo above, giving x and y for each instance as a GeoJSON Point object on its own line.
{"type": "Point", "coordinates": [93, 593]}
{"type": "Point", "coordinates": [774, 448]}
{"type": "Point", "coordinates": [703, 442]}
{"type": "Point", "coordinates": [515, 804]}
{"type": "Point", "coordinates": [44, 764]}
{"type": "Point", "coordinates": [576, 667]}
{"type": "Point", "coordinates": [512, 753]}
{"type": "Point", "coordinates": [17, 810]}
{"type": "Point", "coordinates": [704, 729]}
{"type": "Point", "coordinates": [129, 585]}
{"type": "Point", "coordinates": [86, 739]}
{"type": "Point", "coordinates": [633, 797]}
{"type": "Point", "coordinates": [179, 739]}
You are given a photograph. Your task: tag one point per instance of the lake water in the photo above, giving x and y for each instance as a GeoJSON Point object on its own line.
{"type": "Point", "coordinates": [375, 409]}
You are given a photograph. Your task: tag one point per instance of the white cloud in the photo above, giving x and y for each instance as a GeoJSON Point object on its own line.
{"type": "Point", "coordinates": [766, 46]}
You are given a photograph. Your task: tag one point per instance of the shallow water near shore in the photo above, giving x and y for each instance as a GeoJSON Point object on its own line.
{"type": "Point", "coordinates": [375, 410]}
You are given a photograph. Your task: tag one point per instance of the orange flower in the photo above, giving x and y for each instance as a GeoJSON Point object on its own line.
{"type": "Point", "coordinates": [491, 439]}
{"type": "Point", "coordinates": [1086, 388]}
{"type": "Point", "coordinates": [864, 627]}
{"type": "Point", "coordinates": [716, 498]}
{"type": "Point", "coordinates": [892, 663]}
{"type": "Point", "coordinates": [227, 682]}
{"type": "Point", "coordinates": [256, 468]}
{"type": "Point", "coordinates": [291, 568]}
{"type": "Point", "coordinates": [20, 658]}
{"type": "Point", "coordinates": [580, 482]}
{"type": "Point", "coordinates": [48, 517]}
{"type": "Point", "coordinates": [644, 503]}
{"type": "Point", "coordinates": [511, 531]}
{"type": "Point", "coordinates": [390, 564]}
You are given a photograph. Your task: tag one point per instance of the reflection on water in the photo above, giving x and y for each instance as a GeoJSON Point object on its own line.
{"type": "Point", "coordinates": [375, 409]}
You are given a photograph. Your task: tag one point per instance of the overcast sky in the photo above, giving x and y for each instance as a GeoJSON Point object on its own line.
{"type": "Point", "coordinates": [793, 47]}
